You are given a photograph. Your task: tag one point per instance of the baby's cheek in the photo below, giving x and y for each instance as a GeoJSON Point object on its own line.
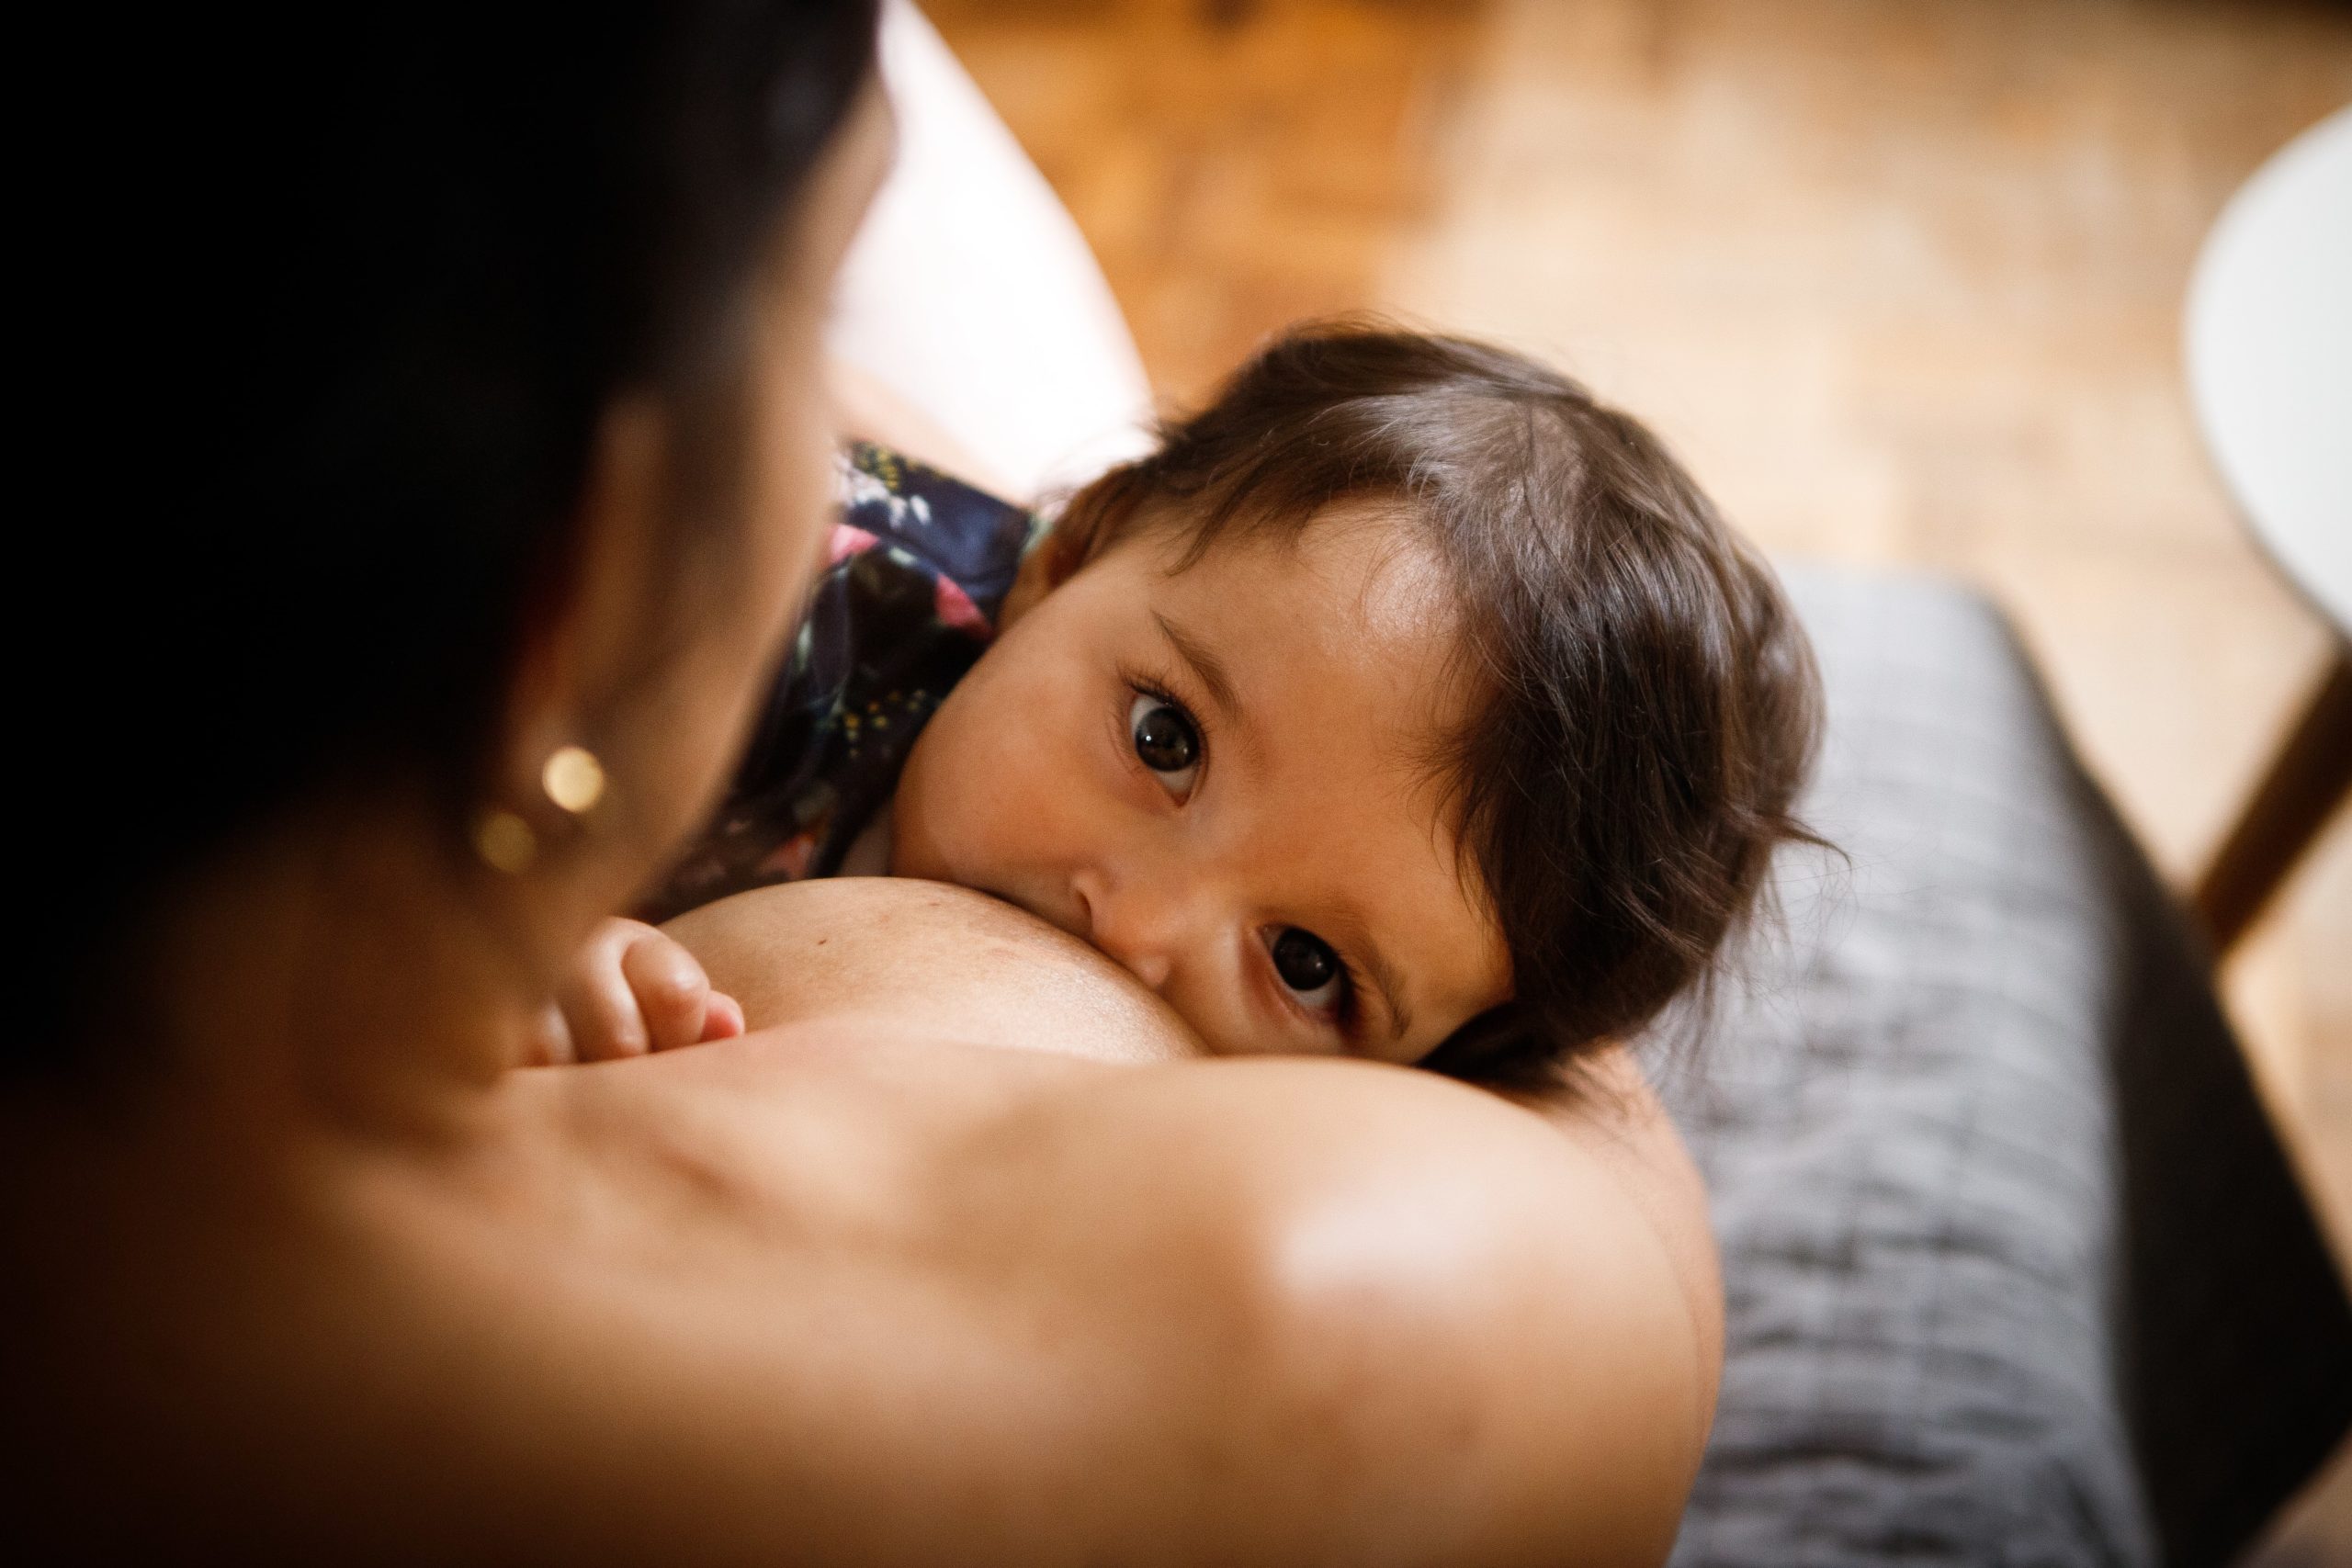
{"type": "Point", "coordinates": [922, 811]}
{"type": "Point", "coordinates": [946, 821]}
{"type": "Point", "coordinates": [994, 794]}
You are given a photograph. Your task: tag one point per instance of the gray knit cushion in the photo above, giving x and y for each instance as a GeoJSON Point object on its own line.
{"type": "Point", "coordinates": [2016, 1271]}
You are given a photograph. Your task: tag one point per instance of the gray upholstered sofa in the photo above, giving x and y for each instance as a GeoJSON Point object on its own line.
{"type": "Point", "coordinates": [2016, 1271]}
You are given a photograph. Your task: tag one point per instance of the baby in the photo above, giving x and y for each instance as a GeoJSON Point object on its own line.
{"type": "Point", "coordinates": [1406, 702]}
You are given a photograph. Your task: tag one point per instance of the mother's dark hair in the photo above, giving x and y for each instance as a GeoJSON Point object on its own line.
{"type": "Point", "coordinates": [345, 314]}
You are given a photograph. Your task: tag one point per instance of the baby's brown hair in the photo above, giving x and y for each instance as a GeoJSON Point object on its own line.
{"type": "Point", "coordinates": [1649, 704]}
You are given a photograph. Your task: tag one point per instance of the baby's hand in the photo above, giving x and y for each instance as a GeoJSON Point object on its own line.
{"type": "Point", "coordinates": [632, 989]}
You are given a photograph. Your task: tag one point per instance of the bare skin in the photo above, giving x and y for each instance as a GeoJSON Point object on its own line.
{"type": "Point", "coordinates": [983, 1268]}
{"type": "Point", "coordinates": [954, 1257]}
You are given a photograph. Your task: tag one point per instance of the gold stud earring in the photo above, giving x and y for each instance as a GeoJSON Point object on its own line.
{"type": "Point", "coordinates": [505, 843]}
{"type": "Point", "coordinates": [573, 779]}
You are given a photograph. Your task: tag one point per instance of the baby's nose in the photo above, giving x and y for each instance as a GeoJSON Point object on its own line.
{"type": "Point", "coordinates": [1151, 969]}
{"type": "Point", "coordinates": [1122, 927]}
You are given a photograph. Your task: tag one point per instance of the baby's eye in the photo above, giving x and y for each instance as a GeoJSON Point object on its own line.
{"type": "Point", "coordinates": [1166, 742]}
{"type": "Point", "coordinates": [1312, 971]}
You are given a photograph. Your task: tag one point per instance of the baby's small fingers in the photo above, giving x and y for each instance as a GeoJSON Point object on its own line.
{"type": "Point", "coordinates": [722, 1018]}
{"type": "Point", "coordinates": [550, 1043]}
{"type": "Point", "coordinates": [597, 1004]}
{"type": "Point", "coordinates": [672, 992]}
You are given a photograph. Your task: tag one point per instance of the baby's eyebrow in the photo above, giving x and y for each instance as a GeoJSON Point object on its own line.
{"type": "Point", "coordinates": [1205, 665]}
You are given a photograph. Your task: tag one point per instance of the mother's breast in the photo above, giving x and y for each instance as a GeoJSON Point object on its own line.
{"type": "Point", "coordinates": [926, 960]}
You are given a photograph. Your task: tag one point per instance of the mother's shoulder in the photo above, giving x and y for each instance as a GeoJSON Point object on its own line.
{"type": "Point", "coordinates": [1447, 1288]}
{"type": "Point", "coordinates": [1371, 1169]}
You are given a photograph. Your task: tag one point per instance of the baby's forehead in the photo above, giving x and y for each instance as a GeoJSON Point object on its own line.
{"type": "Point", "coordinates": [1348, 626]}
{"type": "Point", "coordinates": [1368, 557]}
{"type": "Point", "coordinates": [1356, 597]}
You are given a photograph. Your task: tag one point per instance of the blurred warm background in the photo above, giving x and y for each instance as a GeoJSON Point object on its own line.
{"type": "Point", "coordinates": [1901, 279]}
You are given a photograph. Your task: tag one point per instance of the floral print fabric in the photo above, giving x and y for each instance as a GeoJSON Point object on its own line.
{"type": "Point", "coordinates": [920, 567]}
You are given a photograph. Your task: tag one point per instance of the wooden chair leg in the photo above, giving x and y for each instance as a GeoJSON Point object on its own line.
{"type": "Point", "coordinates": [2307, 781]}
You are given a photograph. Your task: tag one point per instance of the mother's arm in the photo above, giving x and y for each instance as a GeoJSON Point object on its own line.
{"type": "Point", "coordinates": [1329, 1311]}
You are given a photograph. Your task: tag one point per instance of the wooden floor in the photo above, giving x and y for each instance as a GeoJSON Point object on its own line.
{"type": "Point", "coordinates": [1900, 278]}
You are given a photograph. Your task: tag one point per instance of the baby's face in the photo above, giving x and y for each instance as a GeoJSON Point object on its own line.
{"type": "Point", "coordinates": [1221, 777]}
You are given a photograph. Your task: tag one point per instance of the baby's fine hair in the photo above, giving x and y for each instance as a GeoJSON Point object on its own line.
{"type": "Point", "coordinates": [1648, 703]}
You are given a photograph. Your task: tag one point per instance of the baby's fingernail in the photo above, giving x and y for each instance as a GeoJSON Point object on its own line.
{"type": "Point", "coordinates": [723, 1020]}
{"type": "Point", "coordinates": [551, 1038]}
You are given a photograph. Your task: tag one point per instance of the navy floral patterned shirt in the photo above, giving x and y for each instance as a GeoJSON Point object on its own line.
{"type": "Point", "coordinates": [919, 568]}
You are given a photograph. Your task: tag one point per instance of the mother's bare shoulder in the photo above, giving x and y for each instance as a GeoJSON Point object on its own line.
{"type": "Point", "coordinates": [1425, 1292]}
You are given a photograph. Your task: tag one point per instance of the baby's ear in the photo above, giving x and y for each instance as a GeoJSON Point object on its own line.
{"type": "Point", "coordinates": [1041, 572]}
{"type": "Point", "coordinates": [1051, 561]}
{"type": "Point", "coordinates": [1067, 548]}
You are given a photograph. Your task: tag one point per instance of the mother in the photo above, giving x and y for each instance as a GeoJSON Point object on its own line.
{"type": "Point", "coordinates": [495, 430]}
